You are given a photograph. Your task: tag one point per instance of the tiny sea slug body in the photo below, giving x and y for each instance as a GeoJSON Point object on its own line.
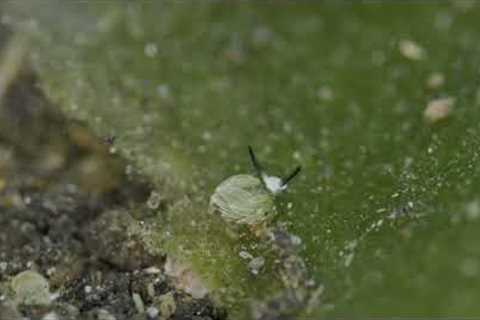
{"type": "Point", "coordinates": [249, 199]}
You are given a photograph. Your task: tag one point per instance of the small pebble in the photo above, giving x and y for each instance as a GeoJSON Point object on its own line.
{"type": "Point", "coordinates": [138, 302]}
{"type": "Point", "coordinates": [438, 109]}
{"type": "Point", "coordinates": [152, 270]}
{"type": "Point", "coordinates": [31, 288]}
{"type": "Point", "coordinates": [166, 305]}
{"type": "Point", "coordinates": [152, 312]}
{"type": "Point", "coordinates": [411, 50]}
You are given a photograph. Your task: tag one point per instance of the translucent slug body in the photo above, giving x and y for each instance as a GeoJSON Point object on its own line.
{"type": "Point", "coordinates": [248, 199]}
{"type": "Point", "coordinates": [243, 199]}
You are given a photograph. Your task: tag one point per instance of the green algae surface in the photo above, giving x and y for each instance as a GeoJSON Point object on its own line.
{"type": "Point", "coordinates": [387, 205]}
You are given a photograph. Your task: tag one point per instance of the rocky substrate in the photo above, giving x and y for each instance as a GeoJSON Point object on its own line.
{"type": "Point", "coordinates": [70, 246]}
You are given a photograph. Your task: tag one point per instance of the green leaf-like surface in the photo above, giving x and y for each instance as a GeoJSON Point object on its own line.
{"type": "Point", "coordinates": [387, 205]}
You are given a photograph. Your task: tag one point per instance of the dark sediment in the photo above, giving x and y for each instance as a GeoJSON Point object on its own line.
{"type": "Point", "coordinates": [64, 213]}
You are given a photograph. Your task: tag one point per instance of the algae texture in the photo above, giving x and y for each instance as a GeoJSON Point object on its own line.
{"type": "Point", "coordinates": [387, 204]}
